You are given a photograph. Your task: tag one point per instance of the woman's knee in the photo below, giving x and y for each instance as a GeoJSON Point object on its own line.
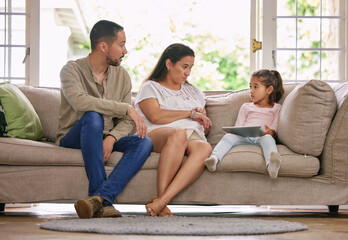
{"type": "Point", "coordinates": [178, 136]}
{"type": "Point", "coordinates": [201, 148]}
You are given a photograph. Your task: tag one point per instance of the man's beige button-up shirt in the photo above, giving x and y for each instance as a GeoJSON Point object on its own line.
{"type": "Point", "coordinates": [81, 92]}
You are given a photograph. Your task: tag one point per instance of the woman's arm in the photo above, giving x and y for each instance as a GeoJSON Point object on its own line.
{"type": "Point", "coordinates": [151, 109]}
{"type": "Point", "coordinates": [203, 110]}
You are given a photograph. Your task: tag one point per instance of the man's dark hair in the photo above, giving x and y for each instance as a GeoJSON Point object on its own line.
{"type": "Point", "coordinates": [105, 31]}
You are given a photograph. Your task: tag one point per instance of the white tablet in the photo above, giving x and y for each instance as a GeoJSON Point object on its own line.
{"type": "Point", "coordinates": [249, 131]}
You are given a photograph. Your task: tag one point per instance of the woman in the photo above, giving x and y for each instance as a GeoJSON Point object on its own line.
{"type": "Point", "coordinates": [174, 113]}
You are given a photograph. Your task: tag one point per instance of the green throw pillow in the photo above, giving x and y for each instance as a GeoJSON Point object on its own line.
{"type": "Point", "coordinates": [21, 119]}
{"type": "Point", "coordinates": [2, 121]}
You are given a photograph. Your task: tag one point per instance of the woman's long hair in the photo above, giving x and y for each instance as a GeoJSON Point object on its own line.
{"type": "Point", "coordinates": [174, 52]}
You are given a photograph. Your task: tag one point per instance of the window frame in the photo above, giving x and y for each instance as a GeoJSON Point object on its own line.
{"type": "Point", "coordinates": [269, 41]}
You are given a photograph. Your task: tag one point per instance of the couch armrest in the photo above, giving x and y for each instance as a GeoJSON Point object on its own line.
{"type": "Point", "coordinates": [334, 161]}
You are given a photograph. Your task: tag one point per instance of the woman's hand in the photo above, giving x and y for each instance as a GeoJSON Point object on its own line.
{"type": "Point", "coordinates": [201, 118]}
{"type": "Point", "coordinates": [269, 131]}
{"type": "Point", "coordinates": [200, 110]}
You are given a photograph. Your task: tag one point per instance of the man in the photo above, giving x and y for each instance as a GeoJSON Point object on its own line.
{"type": "Point", "coordinates": [96, 116]}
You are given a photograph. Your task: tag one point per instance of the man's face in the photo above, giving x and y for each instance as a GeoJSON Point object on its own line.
{"type": "Point", "coordinates": [117, 50]}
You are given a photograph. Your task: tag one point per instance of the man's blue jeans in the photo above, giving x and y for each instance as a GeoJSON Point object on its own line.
{"type": "Point", "coordinates": [87, 135]}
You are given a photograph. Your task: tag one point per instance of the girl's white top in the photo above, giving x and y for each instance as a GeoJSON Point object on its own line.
{"type": "Point", "coordinates": [187, 98]}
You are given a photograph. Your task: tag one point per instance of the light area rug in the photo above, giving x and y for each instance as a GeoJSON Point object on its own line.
{"type": "Point", "coordinates": [177, 225]}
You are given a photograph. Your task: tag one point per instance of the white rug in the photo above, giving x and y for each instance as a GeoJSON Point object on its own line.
{"type": "Point", "coordinates": [177, 225]}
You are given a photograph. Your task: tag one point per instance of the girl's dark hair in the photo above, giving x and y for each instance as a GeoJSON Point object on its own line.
{"type": "Point", "coordinates": [271, 78]}
{"type": "Point", "coordinates": [174, 52]}
{"type": "Point", "coordinates": [104, 31]}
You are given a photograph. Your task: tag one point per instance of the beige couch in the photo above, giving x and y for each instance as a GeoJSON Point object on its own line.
{"type": "Point", "coordinates": [313, 143]}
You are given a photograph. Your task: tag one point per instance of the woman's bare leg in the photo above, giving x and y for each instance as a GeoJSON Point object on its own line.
{"type": "Point", "coordinates": [192, 168]}
{"type": "Point", "coordinates": [171, 143]}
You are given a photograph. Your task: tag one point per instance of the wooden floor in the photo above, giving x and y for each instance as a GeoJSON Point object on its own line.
{"type": "Point", "coordinates": [20, 222]}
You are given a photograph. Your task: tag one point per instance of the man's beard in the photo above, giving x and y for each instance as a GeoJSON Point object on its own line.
{"type": "Point", "coordinates": [114, 63]}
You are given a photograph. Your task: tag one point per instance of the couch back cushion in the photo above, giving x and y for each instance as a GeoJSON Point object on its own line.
{"type": "Point", "coordinates": [305, 117]}
{"type": "Point", "coordinates": [223, 110]}
{"type": "Point", "coordinates": [46, 103]}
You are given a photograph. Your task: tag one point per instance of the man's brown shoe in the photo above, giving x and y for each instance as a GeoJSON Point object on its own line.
{"type": "Point", "coordinates": [87, 208]}
{"type": "Point", "coordinates": [110, 211]}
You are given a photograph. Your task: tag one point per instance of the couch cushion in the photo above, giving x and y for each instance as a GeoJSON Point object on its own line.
{"type": "Point", "coordinates": [46, 103]}
{"type": "Point", "coordinates": [21, 118]}
{"type": "Point", "coordinates": [250, 159]}
{"type": "Point", "coordinates": [306, 116]}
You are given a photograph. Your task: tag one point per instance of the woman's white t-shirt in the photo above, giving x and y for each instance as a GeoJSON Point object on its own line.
{"type": "Point", "coordinates": [187, 98]}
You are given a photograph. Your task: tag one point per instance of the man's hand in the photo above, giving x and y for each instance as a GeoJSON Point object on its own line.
{"type": "Point", "coordinates": [138, 120]}
{"type": "Point", "coordinates": [269, 131]}
{"type": "Point", "coordinates": [108, 145]}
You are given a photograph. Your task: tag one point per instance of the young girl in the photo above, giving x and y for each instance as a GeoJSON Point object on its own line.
{"type": "Point", "coordinates": [266, 89]}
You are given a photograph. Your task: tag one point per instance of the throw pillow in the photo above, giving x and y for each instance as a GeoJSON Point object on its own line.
{"type": "Point", "coordinates": [2, 121]}
{"type": "Point", "coordinates": [21, 118]}
{"type": "Point", "coordinates": [306, 116]}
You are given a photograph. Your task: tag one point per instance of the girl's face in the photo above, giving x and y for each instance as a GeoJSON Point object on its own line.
{"type": "Point", "coordinates": [179, 72]}
{"type": "Point", "coordinates": [259, 93]}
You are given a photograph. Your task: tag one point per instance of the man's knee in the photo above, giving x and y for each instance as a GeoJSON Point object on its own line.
{"type": "Point", "coordinates": [94, 120]}
{"type": "Point", "coordinates": [147, 143]}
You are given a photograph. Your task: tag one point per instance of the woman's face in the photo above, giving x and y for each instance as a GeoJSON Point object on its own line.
{"type": "Point", "coordinates": [179, 72]}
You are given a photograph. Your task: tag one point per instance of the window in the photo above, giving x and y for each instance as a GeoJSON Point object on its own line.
{"type": "Point", "coordinates": [305, 39]}
{"type": "Point", "coordinates": [217, 32]}
{"type": "Point", "coordinates": [12, 41]}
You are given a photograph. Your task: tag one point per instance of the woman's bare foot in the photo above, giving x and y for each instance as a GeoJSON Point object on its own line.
{"type": "Point", "coordinates": [165, 212]}
{"type": "Point", "coordinates": [154, 207]}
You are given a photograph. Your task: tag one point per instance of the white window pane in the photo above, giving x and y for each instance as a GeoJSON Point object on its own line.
{"type": "Point", "coordinates": [286, 33]}
{"type": "Point", "coordinates": [286, 64]}
{"type": "Point", "coordinates": [18, 81]}
{"type": "Point", "coordinates": [286, 8]}
{"type": "Point", "coordinates": [308, 65]}
{"type": "Point", "coordinates": [18, 6]}
{"type": "Point", "coordinates": [330, 66]}
{"type": "Point", "coordinates": [3, 67]}
{"type": "Point", "coordinates": [2, 29]}
{"type": "Point", "coordinates": [330, 7]}
{"type": "Point", "coordinates": [18, 30]}
{"type": "Point", "coordinates": [17, 27]}
{"type": "Point", "coordinates": [308, 8]}
{"type": "Point", "coordinates": [17, 67]}
{"type": "Point", "coordinates": [308, 33]}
